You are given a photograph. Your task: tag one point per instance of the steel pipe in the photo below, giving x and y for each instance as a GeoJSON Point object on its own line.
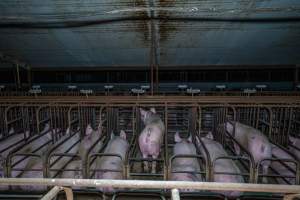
{"type": "Point", "coordinates": [137, 184]}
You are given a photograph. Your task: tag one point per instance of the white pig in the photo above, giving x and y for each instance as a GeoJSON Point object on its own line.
{"type": "Point", "coordinates": [254, 141]}
{"type": "Point", "coordinates": [215, 151]}
{"type": "Point", "coordinates": [116, 145]}
{"type": "Point", "coordinates": [189, 165]}
{"type": "Point", "coordinates": [151, 137]}
{"type": "Point", "coordinates": [90, 137]}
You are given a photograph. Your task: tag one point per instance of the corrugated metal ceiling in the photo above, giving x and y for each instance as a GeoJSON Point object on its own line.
{"type": "Point", "coordinates": [197, 32]}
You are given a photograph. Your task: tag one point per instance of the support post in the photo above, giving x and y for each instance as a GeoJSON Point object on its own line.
{"type": "Point", "coordinates": [175, 194]}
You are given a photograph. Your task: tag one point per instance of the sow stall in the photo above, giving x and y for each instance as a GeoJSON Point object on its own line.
{"type": "Point", "coordinates": [68, 120]}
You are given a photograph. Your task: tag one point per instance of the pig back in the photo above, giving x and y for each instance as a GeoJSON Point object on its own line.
{"type": "Point", "coordinates": [242, 132]}
{"type": "Point", "coordinates": [116, 146]}
{"type": "Point", "coordinates": [215, 151]}
{"type": "Point", "coordinates": [185, 163]}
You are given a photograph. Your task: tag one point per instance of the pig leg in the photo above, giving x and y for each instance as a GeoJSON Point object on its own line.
{"type": "Point", "coordinates": [146, 167]}
{"type": "Point", "coordinates": [265, 171]}
{"type": "Point", "coordinates": [153, 170]}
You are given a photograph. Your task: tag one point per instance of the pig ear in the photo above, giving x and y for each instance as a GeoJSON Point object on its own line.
{"type": "Point", "coordinates": [209, 135]}
{"type": "Point", "coordinates": [190, 139]}
{"type": "Point", "coordinates": [123, 134]}
{"type": "Point", "coordinates": [153, 110]}
{"type": "Point", "coordinates": [177, 137]}
{"type": "Point", "coordinates": [142, 111]}
{"type": "Point", "coordinates": [88, 129]}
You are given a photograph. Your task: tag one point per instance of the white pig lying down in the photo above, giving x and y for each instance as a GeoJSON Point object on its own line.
{"type": "Point", "coordinates": [112, 166]}
{"type": "Point", "coordinates": [188, 166]}
{"type": "Point", "coordinates": [294, 146]}
{"type": "Point", "coordinates": [9, 144]}
{"type": "Point", "coordinates": [215, 151]}
{"type": "Point", "coordinates": [33, 165]}
{"type": "Point", "coordinates": [91, 136]}
{"type": "Point", "coordinates": [286, 168]}
{"type": "Point", "coordinates": [254, 141]}
{"type": "Point", "coordinates": [151, 138]}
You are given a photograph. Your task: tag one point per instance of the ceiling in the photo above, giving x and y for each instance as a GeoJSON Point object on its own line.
{"type": "Point", "coordinates": [119, 33]}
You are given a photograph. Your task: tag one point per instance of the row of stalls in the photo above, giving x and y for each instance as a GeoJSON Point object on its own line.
{"type": "Point", "coordinates": [54, 130]}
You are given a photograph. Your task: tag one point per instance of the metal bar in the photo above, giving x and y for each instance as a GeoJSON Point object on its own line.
{"type": "Point", "coordinates": [18, 76]}
{"type": "Point", "coordinates": [55, 190]}
{"type": "Point", "coordinates": [136, 184]}
{"type": "Point", "coordinates": [175, 194]}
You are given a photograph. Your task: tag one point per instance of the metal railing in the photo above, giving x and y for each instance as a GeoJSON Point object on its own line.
{"type": "Point", "coordinates": [290, 192]}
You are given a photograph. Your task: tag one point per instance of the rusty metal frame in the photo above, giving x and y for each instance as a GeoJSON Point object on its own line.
{"type": "Point", "coordinates": [282, 161]}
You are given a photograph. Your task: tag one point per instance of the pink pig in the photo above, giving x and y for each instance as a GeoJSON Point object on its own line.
{"type": "Point", "coordinates": [151, 137]}
{"type": "Point", "coordinates": [254, 141]}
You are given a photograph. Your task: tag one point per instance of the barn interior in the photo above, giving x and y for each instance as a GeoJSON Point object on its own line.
{"type": "Point", "coordinates": [214, 71]}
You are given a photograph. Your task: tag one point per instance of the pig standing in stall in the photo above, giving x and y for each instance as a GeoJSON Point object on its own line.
{"type": "Point", "coordinates": [117, 145]}
{"type": "Point", "coordinates": [294, 142]}
{"type": "Point", "coordinates": [281, 169]}
{"type": "Point", "coordinates": [189, 165]}
{"type": "Point", "coordinates": [215, 151]}
{"type": "Point", "coordinates": [151, 137]}
{"type": "Point", "coordinates": [254, 141]}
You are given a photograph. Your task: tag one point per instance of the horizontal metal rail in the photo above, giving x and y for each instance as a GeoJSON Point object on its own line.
{"type": "Point", "coordinates": [147, 184]}
{"type": "Point", "coordinates": [155, 99]}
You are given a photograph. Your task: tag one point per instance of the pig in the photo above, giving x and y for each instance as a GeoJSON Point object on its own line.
{"type": "Point", "coordinates": [189, 165]}
{"type": "Point", "coordinates": [116, 145]}
{"type": "Point", "coordinates": [29, 148]}
{"type": "Point", "coordinates": [63, 149]}
{"type": "Point", "coordinates": [254, 141]}
{"type": "Point", "coordinates": [6, 146]}
{"type": "Point", "coordinates": [280, 168]}
{"type": "Point", "coordinates": [151, 137]}
{"type": "Point", "coordinates": [90, 137]}
{"type": "Point", "coordinates": [34, 165]}
{"type": "Point", "coordinates": [294, 146]}
{"type": "Point", "coordinates": [215, 151]}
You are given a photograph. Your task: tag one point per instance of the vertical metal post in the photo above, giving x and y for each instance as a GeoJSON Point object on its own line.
{"type": "Point", "coordinates": [29, 77]}
{"type": "Point", "coordinates": [175, 194]}
{"type": "Point", "coordinates": [296, 77]}
{"type": "Point", "coordinates": [18, 76]}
